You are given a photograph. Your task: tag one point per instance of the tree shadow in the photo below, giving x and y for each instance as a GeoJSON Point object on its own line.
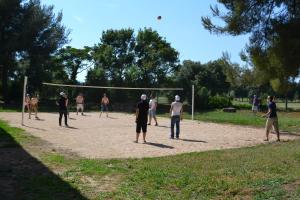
{"type": "Point", "coordinates": [190, 140]}
{"type": "Point", "coordinates": [159, 145]}
{"type": "Point", "coordinates": [22, 176]}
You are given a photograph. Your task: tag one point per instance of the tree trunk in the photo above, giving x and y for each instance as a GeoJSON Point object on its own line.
{"type": "Point", "coordinates": [4, 83]}
{"type": "Point", "coordinates": [286, 103]}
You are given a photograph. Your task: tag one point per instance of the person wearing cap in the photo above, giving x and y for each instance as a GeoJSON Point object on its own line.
{"type": "Point", "coordinates": [62, 105]}
{"type": "Point", "coordinates": [79, 103]}
{"type": "Point", "coordinates": [104, 105]}
{"type": "Point", "coordinates": [255, 104]}
{"type": "Point", "coordinates": [176, 116]}
{"type": "Point", "coordinates": [141, 117]}
{"type": "Point", "coordinates": [272, 119]}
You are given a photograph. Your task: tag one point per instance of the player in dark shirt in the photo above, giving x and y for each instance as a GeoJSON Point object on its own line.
{"type": "Point", "coordinates": [62, 105]}
{"type": "Point", "coordinates": [272, 119]}
{"type": "Point", "coordinates": [141, 118]}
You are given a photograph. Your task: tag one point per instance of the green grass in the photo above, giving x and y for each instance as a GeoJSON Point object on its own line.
{"type": "Point", "coordinates": [16, 133]}
{"type": "Point", "coordinates": [288, 121]}
{"type": "Point", "coordinates": [268, 171]}
{"type": "Point", "coordinates": [280, 105]}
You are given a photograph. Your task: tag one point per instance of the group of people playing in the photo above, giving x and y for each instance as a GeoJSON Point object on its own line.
{"type": "Point", "coordinates": [143, 109]}
{"type": "Point", "coordinates": [62, 104]}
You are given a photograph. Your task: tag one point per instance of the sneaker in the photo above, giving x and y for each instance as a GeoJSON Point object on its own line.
{"type": "Point", "coordinates": [149, 124]}
{"type": "Point", "coordinates": [172, 138]}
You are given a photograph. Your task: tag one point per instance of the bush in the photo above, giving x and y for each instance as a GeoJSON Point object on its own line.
{"type": "Point", "coordinates": [219, 102]}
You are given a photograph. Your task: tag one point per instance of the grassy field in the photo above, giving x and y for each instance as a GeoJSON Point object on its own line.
{"type": "Point", "coordinates": [281, 105]}
{"type": "Point", "coordinates": [263, 172]}
{"type": "Point", "coordinates": [288, 121]}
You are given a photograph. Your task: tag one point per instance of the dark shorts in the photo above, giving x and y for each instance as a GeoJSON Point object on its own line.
{"type": "Point", "coordinates": [141, 126]}
{"type": "Point", "coordinates": [104, 107]}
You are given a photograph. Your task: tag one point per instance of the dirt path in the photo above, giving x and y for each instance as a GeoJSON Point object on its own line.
{"type": "Point", "coordinates": [94, 137]}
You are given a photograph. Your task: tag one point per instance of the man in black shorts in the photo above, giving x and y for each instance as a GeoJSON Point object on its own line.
{"type": "Point", "coordinates": [62, 106]}
{"type": "Point", "coordinates": [141, 117]}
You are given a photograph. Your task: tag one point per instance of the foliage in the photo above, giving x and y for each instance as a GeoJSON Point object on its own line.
{"type": "Point", "coordinates": [275, 38]}
{"type": "Point", "coordinates": [74, 61]}
{"type": "Point", "coordinates": [219, 102]}
{"type": "Point", "coordinates": [29, 34]}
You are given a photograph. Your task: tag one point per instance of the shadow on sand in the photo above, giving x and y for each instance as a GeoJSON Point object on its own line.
{"type": "Point", "coordinates": [22, 176]}
{"type": "Point", "coordinates": [190, 140]}
{"type": "Point", "coordinates": [159, 145]}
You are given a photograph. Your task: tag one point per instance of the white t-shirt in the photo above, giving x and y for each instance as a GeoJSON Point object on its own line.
{"type": "Point", "coordinates": [176, 108]}
{"type": "Point", "coordinates": [152, 104]}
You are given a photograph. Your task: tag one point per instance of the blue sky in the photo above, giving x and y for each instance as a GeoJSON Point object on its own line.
{"type": "Point", "coordinates": [180, 24]}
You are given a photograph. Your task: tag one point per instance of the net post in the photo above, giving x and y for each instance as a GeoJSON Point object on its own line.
{"type": "Point", "coordinates": [193, 98]}
{"type": "Point", "coordinates": [24, 94]}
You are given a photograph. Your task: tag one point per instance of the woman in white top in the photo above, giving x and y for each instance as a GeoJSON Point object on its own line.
{"type": "Point", "coordinates": [176, 116]}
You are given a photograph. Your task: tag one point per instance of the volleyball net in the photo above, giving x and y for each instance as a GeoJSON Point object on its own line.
{"type": "Point", "coordinates": [122, 99]}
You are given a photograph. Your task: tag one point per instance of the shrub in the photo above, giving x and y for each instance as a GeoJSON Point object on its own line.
{"type": "Point", "coordinates": [219, 102]}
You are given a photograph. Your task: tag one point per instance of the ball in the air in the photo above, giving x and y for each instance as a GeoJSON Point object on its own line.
{"type": "Point", "coordinates": [158, 17]}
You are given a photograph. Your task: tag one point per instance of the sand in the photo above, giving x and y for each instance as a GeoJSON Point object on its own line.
{"type": "Point", "coordinates": [113, 137]}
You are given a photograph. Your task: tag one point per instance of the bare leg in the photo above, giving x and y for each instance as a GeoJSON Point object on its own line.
{"type": "Point", "coordinates": [35, 109]}
{"type": "Point", "coordinates": [155, 120]}
{"type": "Point", "coordinates": [267, 135]}
{"type": "Point", "coordinates": [29, 111]}
{"type": "Point", "coordinates": [137, 137]}
{"type": "Point", "coordinates": [144, 137]}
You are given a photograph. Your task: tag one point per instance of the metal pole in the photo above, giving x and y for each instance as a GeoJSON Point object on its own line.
{"type": "Point", "coordinates": [193, 90]}
{"type": "Point", "coordinates": [24, 95]}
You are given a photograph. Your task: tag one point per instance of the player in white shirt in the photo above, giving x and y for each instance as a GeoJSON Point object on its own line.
{"type": "Point", "coordinates": [152, 109]}
{"type": "Point", "coordinates": [176, 116]}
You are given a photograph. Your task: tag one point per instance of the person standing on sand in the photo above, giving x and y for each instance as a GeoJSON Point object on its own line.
{"type": "Point", "coordinates": [272, 119]}
{"type": "Point", "coordinates": [176, 116]}
{"type": "Point", "coordinates": [79, 103]}
{"type": "Point", "coordinates": [34, 106]}
{"type": "Point", "coordinates": [255, 104]}
{"type": "Point", "coordinates": [141, 117]}
{"type": "Point", "coordinates": [152, 109]}
{"type": "Point", "coordinates": [62, 105]}
{"type": "Point", "coordinates": [104, 105]}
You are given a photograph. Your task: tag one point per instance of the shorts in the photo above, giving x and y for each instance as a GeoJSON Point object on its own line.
{"type": "Point", "coordinates": [152, 113]}
{"type": "Point", "coordinates": [272, 122]}
{"type": "Point", "coordinates": [255, 108]}
{"type": "Point", "coordinates": [80, 106]}
{"type": "Point", "coordinates": [141, 126]}
{"type": "Point", "coordinates": [104, 107]}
